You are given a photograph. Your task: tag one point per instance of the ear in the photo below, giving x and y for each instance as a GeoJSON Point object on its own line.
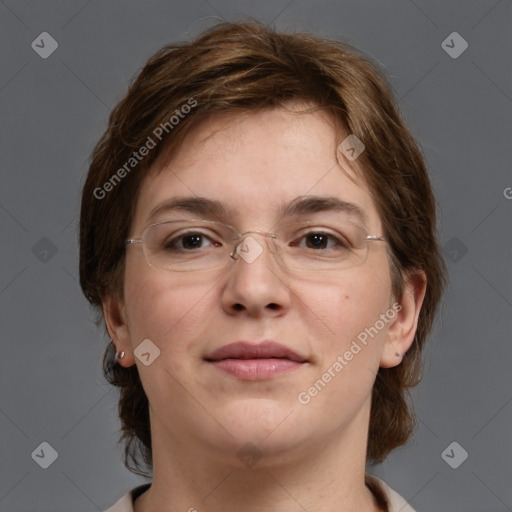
{"type": "Point", "coordinates": [402, 328]}
{"type": "Point", "coordinates": [114, 314]}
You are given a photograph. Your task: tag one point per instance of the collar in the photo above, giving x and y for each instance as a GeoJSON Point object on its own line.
{"type": "Point", "coordinates": [387, 498]}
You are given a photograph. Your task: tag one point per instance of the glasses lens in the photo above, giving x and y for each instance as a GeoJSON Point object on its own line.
{"type": "Point", "coordinates": [185, 245]}
{"type": "Point", "coordinates": [323, 245]}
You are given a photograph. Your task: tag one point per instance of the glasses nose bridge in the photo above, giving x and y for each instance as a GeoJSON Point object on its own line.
{"type": "Point", "coordinates": [241, 237]}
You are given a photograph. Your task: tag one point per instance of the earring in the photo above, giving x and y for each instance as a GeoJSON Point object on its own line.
{"type": "Point", "coordinates": [119, 356]}
{"type": "Point", "coordinates": [397, 354]}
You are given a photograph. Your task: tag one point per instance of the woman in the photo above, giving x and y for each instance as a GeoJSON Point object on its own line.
{"type": "Point", "coordinates": [258, 233]}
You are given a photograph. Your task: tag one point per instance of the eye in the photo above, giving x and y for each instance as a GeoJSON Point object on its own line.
{"type": "Point", "coordinates": [192, 240]}
{"type": "Point", "coordinates": [318, 240]}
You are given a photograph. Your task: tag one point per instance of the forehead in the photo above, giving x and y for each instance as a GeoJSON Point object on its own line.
{"type": "Point", "coordinates": [256, 165]}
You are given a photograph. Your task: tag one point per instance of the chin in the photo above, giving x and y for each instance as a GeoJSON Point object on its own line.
{"type": "Point", "coordinates": [268, 425]}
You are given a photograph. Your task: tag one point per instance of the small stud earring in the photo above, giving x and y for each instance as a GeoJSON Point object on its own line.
{"type": "Point", "coordinates": [119, 356]}
{"type": "Point", "coordinates": [397, 354]}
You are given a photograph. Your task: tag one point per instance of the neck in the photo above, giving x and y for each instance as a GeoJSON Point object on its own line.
{"type": "Point", "coordinates": [328, 476]}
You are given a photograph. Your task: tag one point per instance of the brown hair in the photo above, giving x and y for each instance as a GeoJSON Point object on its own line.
{"type": "Point", "coordinates": [243, 67]}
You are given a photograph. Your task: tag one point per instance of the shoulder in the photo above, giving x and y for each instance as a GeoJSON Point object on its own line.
{"type": "Point", "coordinates": [395, 502]}
{"type": "Point", "coordinates": [125, 503]}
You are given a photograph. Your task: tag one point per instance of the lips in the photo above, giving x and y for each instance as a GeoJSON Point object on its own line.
{"type": "Point", "coordinates": [247, 350]}
{"type": "Point", "coordinates": [255, 361]}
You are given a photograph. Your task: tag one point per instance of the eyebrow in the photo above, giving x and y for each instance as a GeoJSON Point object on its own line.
{"type": "Point", "coordinates": [204, 207]}
{"type": "Point", "coordinates": [314, 204]}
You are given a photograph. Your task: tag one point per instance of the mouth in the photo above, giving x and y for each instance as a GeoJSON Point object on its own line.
{"type": "Point", "coordinates": [255, 361]}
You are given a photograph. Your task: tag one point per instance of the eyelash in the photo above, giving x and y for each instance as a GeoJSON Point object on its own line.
{"type": "Point", "coordinates": [338, 239]}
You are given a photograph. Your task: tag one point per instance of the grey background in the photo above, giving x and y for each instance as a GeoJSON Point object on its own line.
{"type": "Point", "coordinates": [52, 112]}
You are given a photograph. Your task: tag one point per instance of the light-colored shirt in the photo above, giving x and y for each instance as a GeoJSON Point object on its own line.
{"type": "Point", "coordinates": [395, 502]}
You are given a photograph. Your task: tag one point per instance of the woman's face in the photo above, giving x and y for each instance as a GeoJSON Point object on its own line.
{"type": "Point", "coordinates": [256, 166]}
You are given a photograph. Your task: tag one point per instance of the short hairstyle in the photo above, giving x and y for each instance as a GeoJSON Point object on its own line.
{"type": "Point", "coordinates": [242, 68]}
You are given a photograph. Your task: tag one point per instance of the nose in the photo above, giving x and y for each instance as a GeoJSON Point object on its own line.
{"type": "Point", "coordinates": [248, 248]}
{"type": "Point", "coordinates": [256, 285]}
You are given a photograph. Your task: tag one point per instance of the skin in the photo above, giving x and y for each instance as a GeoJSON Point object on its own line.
{"type": "Point", "coordinates": [313, 455]}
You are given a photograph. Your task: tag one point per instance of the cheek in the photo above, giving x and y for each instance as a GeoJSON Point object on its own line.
{"type": "Point", "coordinates": [343, 306]}
{"type": "Point", "coordinates": [162, 307]}
{"type": "Point", "coordinates": [349, 350]}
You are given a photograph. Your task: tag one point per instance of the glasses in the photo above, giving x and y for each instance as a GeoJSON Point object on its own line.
{"type": "Point", "coordinates": [202, 245]}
